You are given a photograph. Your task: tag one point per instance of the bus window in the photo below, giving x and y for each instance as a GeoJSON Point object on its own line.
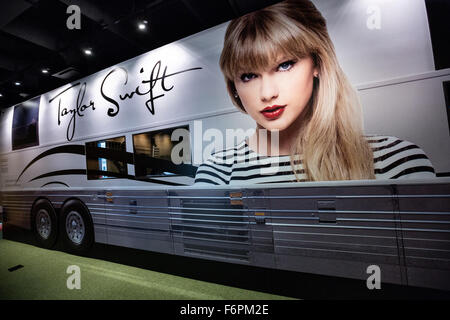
{"type": "Point", "coordinates": [25, 124]}
{"type": "Point", "coordinates": [153, 152]}
{"type": "Point", "coordinates": [106, 159]}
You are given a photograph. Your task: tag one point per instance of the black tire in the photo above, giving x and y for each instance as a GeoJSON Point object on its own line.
{"type": "Point", "coordinates": [76, 226]}
{"type": "Point", "coordinates": [44, 223]}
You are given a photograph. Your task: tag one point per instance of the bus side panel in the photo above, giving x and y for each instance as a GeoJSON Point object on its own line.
{"type": "Point", "coordinates": [425, 219]}
{"type": "Point", "coordinates": [17, 208]}
{"type": "Point", "coordinates": [336, 231]}
{"type": "Point", "coordinates": [139, 219]}
{"type": "Point", "coordinates": [208, 224]}
{"type": "Point", "coordinates": [258, 204]}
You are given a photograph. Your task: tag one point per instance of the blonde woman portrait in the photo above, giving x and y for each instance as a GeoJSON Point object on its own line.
{"type": "Point", "coordinates": [280, 68]}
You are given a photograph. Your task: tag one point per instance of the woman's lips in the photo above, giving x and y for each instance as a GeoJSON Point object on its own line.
{"type": "Point", "coordinates": [273, 112]}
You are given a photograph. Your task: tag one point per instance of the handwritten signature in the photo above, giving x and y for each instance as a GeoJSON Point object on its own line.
{"type": "Point", "coordinates": [146, 88]}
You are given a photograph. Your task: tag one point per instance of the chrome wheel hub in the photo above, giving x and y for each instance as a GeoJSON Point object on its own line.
{"type": "Point", "coordinates": [43, 224]}
{"type": "Point", "coordinates": [75, 227]}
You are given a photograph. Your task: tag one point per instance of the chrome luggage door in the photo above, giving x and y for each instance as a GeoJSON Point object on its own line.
{"type": "Point", "coordinates": [338, 231]}
{"type": "Point", "coordinates": [424, 222]}
{"type": "Point", "coordinates": [139, 219]}
{"type": "Point", "coordinates": [211, 224]}
{"type": "Point", "coordinates": [260, 222]}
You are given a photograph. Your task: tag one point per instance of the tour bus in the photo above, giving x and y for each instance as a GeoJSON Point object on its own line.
{"type": "Point", "coordinates": [111, 158]}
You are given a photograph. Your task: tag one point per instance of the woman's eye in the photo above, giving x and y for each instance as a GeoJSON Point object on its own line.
{"type": "Point", "coordinates": [247, 77]}
{"type": "Point", "coordinates": [285, 66]}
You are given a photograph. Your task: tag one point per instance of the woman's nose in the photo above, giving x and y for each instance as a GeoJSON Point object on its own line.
{"type": "Point", "coordinates": [269, 88]}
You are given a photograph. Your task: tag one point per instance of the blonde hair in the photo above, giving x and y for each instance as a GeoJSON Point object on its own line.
{"type": "Point", "coordinates": [331, 142]}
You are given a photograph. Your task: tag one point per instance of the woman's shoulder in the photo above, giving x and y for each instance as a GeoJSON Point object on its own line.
{"type": "Point", "coordinates": [231, 152]}
{"type": "Point", "coordinates": [382, 139]}
{"type": "Point", "coordinates": [386, 144]}
{"type": "Point", "coordinates": [217, 169]}
{"type": "Point", "coordinates": [395, 158]}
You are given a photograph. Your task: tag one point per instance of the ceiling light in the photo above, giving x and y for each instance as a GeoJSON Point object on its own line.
{"type": "Point", "coordinates": [44, 71]}
{"type": "Point", "coordinates": [1, 95]}
{"type": "Point", "coordinates": [88, 52]}
{"type": "Point", "coordinates": [17, 83]}
{"type": "Point", "coordinates": [142, 25]}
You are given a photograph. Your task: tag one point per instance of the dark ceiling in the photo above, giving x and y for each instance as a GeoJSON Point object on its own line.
{"type": "Point", "coordinates": [34, 36]}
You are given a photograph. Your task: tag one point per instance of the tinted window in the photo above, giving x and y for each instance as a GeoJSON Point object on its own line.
{"type": "Point", "coordinates": [25, 124]}
{"type": "Point", "coordinates": [162, 153]}
{"type": "Point", "coordinates": [107, 159]}
{"type": "Point", "coordinates": [438, 13]}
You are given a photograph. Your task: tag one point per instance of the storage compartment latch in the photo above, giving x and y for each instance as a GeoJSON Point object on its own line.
{"type": "Point", "coordinates": [260, 218]}
{"type": "Point", "coordinates": [236, 198]}
{"type": "Point", "coordinates": [326, 210]}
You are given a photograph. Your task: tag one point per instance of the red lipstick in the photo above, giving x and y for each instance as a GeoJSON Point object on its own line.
{"type": "Point", "coordinates": [273, 112]}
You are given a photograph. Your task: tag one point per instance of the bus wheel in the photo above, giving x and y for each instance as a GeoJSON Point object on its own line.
{"type": "Point", "coordinates": [77, 229]}
{"type": "Point", "coordinates": [44, 223]}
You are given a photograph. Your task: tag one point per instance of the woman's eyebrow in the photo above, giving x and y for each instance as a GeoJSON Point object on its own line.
{"type": "Point", "coordinates": [281, 59]}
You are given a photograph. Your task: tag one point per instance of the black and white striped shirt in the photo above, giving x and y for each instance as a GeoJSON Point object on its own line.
{"type": "Point", "coordinates": [393, 159]}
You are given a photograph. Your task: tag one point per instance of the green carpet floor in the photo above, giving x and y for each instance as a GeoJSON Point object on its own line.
{"type": "Point", "coordinates": [44, 276]}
